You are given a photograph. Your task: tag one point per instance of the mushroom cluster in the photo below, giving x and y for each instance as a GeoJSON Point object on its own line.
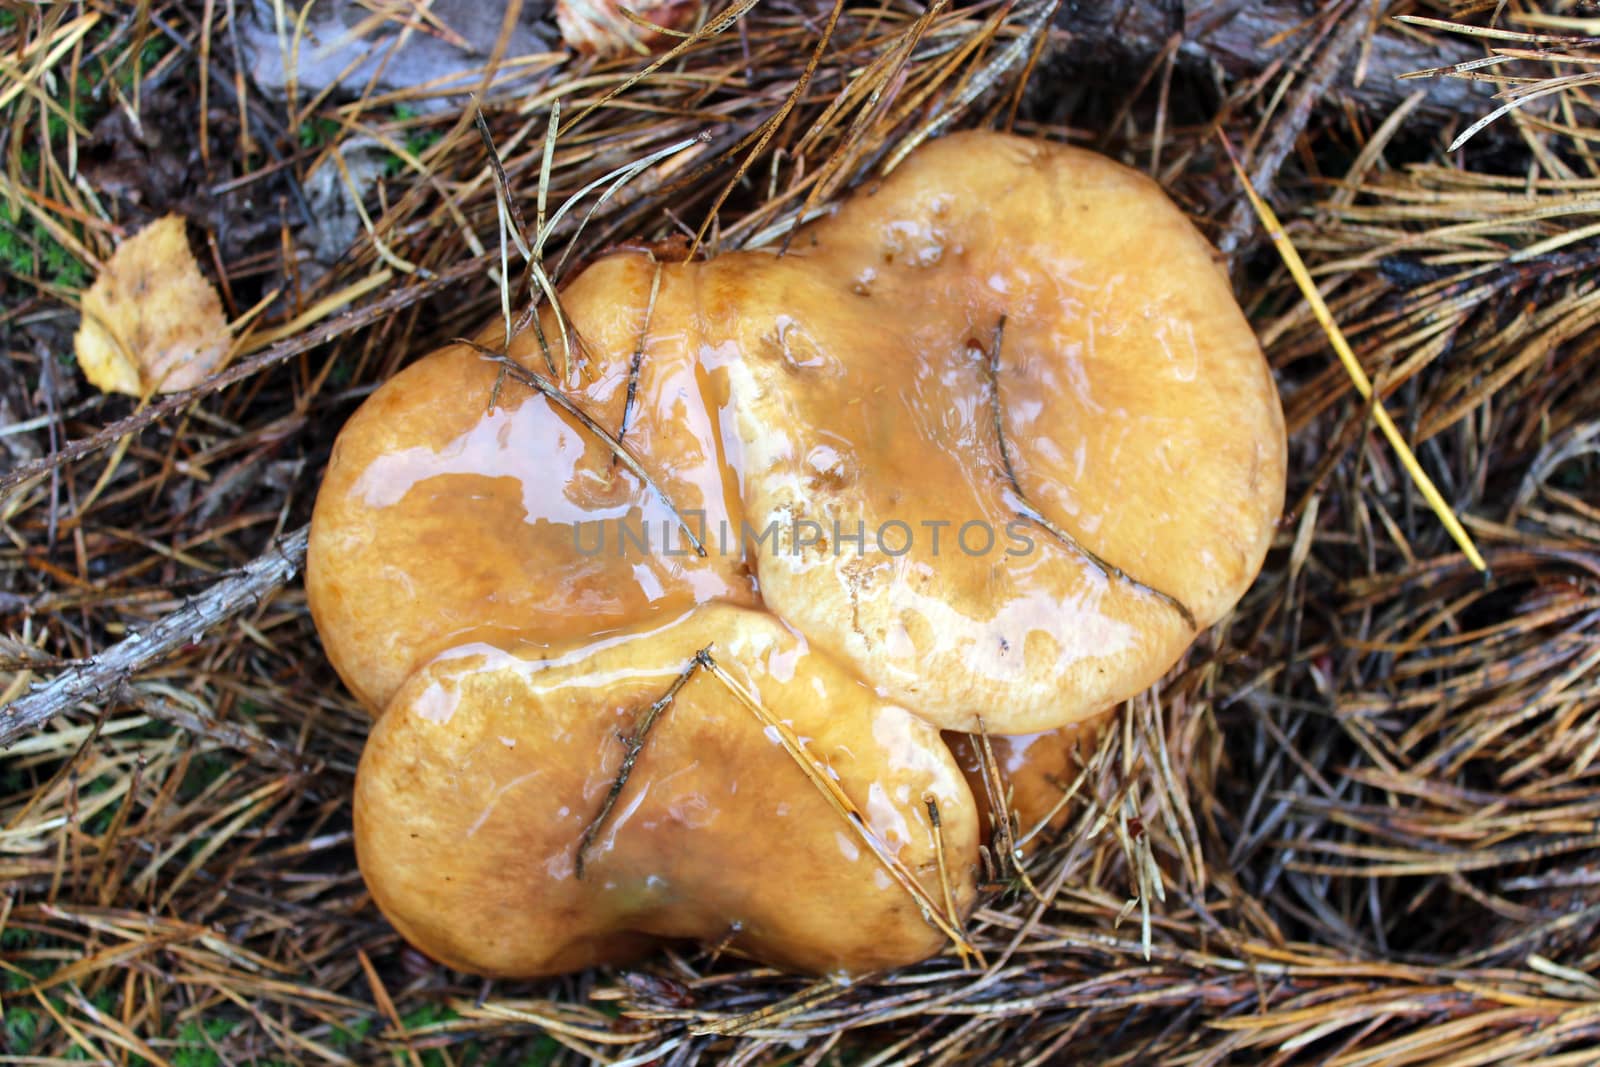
{"type": "Point", "coordinates": [670, 610]}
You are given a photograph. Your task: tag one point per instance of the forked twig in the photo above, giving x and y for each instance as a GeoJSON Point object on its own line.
{"type": "Point", "coordinates": [1032, 514]}
{"type": "Point", "coordinates": [633, 744]}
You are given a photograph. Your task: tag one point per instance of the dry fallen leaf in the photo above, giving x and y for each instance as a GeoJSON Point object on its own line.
{"type": "Point", "coordinates": [151, 321]}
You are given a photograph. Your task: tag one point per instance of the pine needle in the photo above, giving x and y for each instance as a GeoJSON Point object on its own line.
{"type": "Point", "coordinates": [843, 805]}
{"type": "Point", "coordinates": [1352, 366]}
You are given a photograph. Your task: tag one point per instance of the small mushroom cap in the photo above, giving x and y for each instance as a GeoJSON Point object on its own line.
{"type": "Point", "coordinates": [479, 781]}
{"type": "Point", "coordinates": [444, 518]}
{"type": "Point", "coordinates": [1035, 770]}
{"type": "Point", "coordinates": [996, 280]}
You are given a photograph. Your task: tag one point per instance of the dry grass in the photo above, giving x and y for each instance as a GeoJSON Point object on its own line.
{"type": "Point", "coordinates": [1357, 826]}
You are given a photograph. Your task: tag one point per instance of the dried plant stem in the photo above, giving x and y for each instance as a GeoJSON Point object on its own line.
{"type": "Point", "coordinates": [1352, 366]}
{"type": "Point", "coordinates": [951, 911]}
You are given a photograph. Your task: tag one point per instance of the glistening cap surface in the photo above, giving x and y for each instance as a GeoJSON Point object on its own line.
{"type": "Point", "coordinates": [478, 783]}
{"type": "Point", "coordinates": [1002, 443]}
{"type": "Point", "coordinates": [1016, 369]}
{"type": "Point", "coordinates": [446, 517]}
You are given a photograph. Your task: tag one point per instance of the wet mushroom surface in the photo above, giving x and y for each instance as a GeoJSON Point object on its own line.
{"type": "Point", "coordinates": [662, 606]}
{"type": "Point", "coordinates": [499, 762]}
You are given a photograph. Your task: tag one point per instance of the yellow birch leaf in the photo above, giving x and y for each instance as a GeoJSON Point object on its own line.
{"type": "Point", "coordinates": [151, 321]}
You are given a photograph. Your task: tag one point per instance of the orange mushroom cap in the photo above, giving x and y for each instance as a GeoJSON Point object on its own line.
{"type": "Point", "coordinates": [1016, 361]}
{"type": "Point", "coordinates": [460, 505]}
{"type": "Point", "coordinates": [1020, 363]}
{"type": "Point", "coordinates": [491, 764]}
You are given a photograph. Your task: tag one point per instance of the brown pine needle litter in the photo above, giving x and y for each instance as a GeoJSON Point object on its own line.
{"type": "Point", "coordinates": [1358, 825]}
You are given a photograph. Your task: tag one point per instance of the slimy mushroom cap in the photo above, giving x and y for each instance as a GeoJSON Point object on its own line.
{"type": "Point", "coordinates": [486, 777]}
{"type": "Point", "coordinates": [993, 443]}
{"type": "Point", "coordinates": [461, 505]}
{"type": "Point", "coordinates": [1015, 369]}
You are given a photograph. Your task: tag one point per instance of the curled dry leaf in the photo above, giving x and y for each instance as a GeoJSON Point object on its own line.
{"type": "Point", "coordinates": [151, 320]}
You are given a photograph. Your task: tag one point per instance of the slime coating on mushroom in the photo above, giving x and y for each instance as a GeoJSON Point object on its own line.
{"type": "Point", "coordinates": [983, 449]}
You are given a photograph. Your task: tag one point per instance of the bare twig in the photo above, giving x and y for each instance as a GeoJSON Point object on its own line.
{"type": "Point", "coordinates": [1026, 510]}
{"type": "Point", "coordinates": [633, 744]}
{"type": "Point", "coordinates": [99, 676]}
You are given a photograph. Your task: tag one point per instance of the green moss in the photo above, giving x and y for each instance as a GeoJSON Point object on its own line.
{"type": "Point", "coordinates": [193, 1049]}
{"type": "Point", "coordinates": [1575, 475]}
{"type": "Point", "coordinates": [432, 1015]}
{"type": "Point", "coordinates": [543, 1051]}
{"type": "Point", "coordinates": [342, 372]}
{"type": "Point", "coordinates": [21, 1030]}
{"type": "Point", "coordinates": [154, 48]}
{"type": "Point", "coordinates": [28, 252]}
{"type": "Point", "coordinates": [422, 140]}
{"type": "Point", "coordinates": [416, 142]}
{"type": "Point", "coordinates": [344, 1037]}
{"type": "Point", "coordinates": [317, 132]}
{"type": "Point", "coordinates": [98, 823]}
{"type": "Point", "coordinates": [203, 771]}
{"type": "Point", "coordinates": [427, 1015]}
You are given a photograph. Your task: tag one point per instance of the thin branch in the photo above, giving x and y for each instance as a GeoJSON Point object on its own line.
{"type": "Point", "coordinates": [633, 744]}
{"type": "Point", "coordinates": [99, 676]}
